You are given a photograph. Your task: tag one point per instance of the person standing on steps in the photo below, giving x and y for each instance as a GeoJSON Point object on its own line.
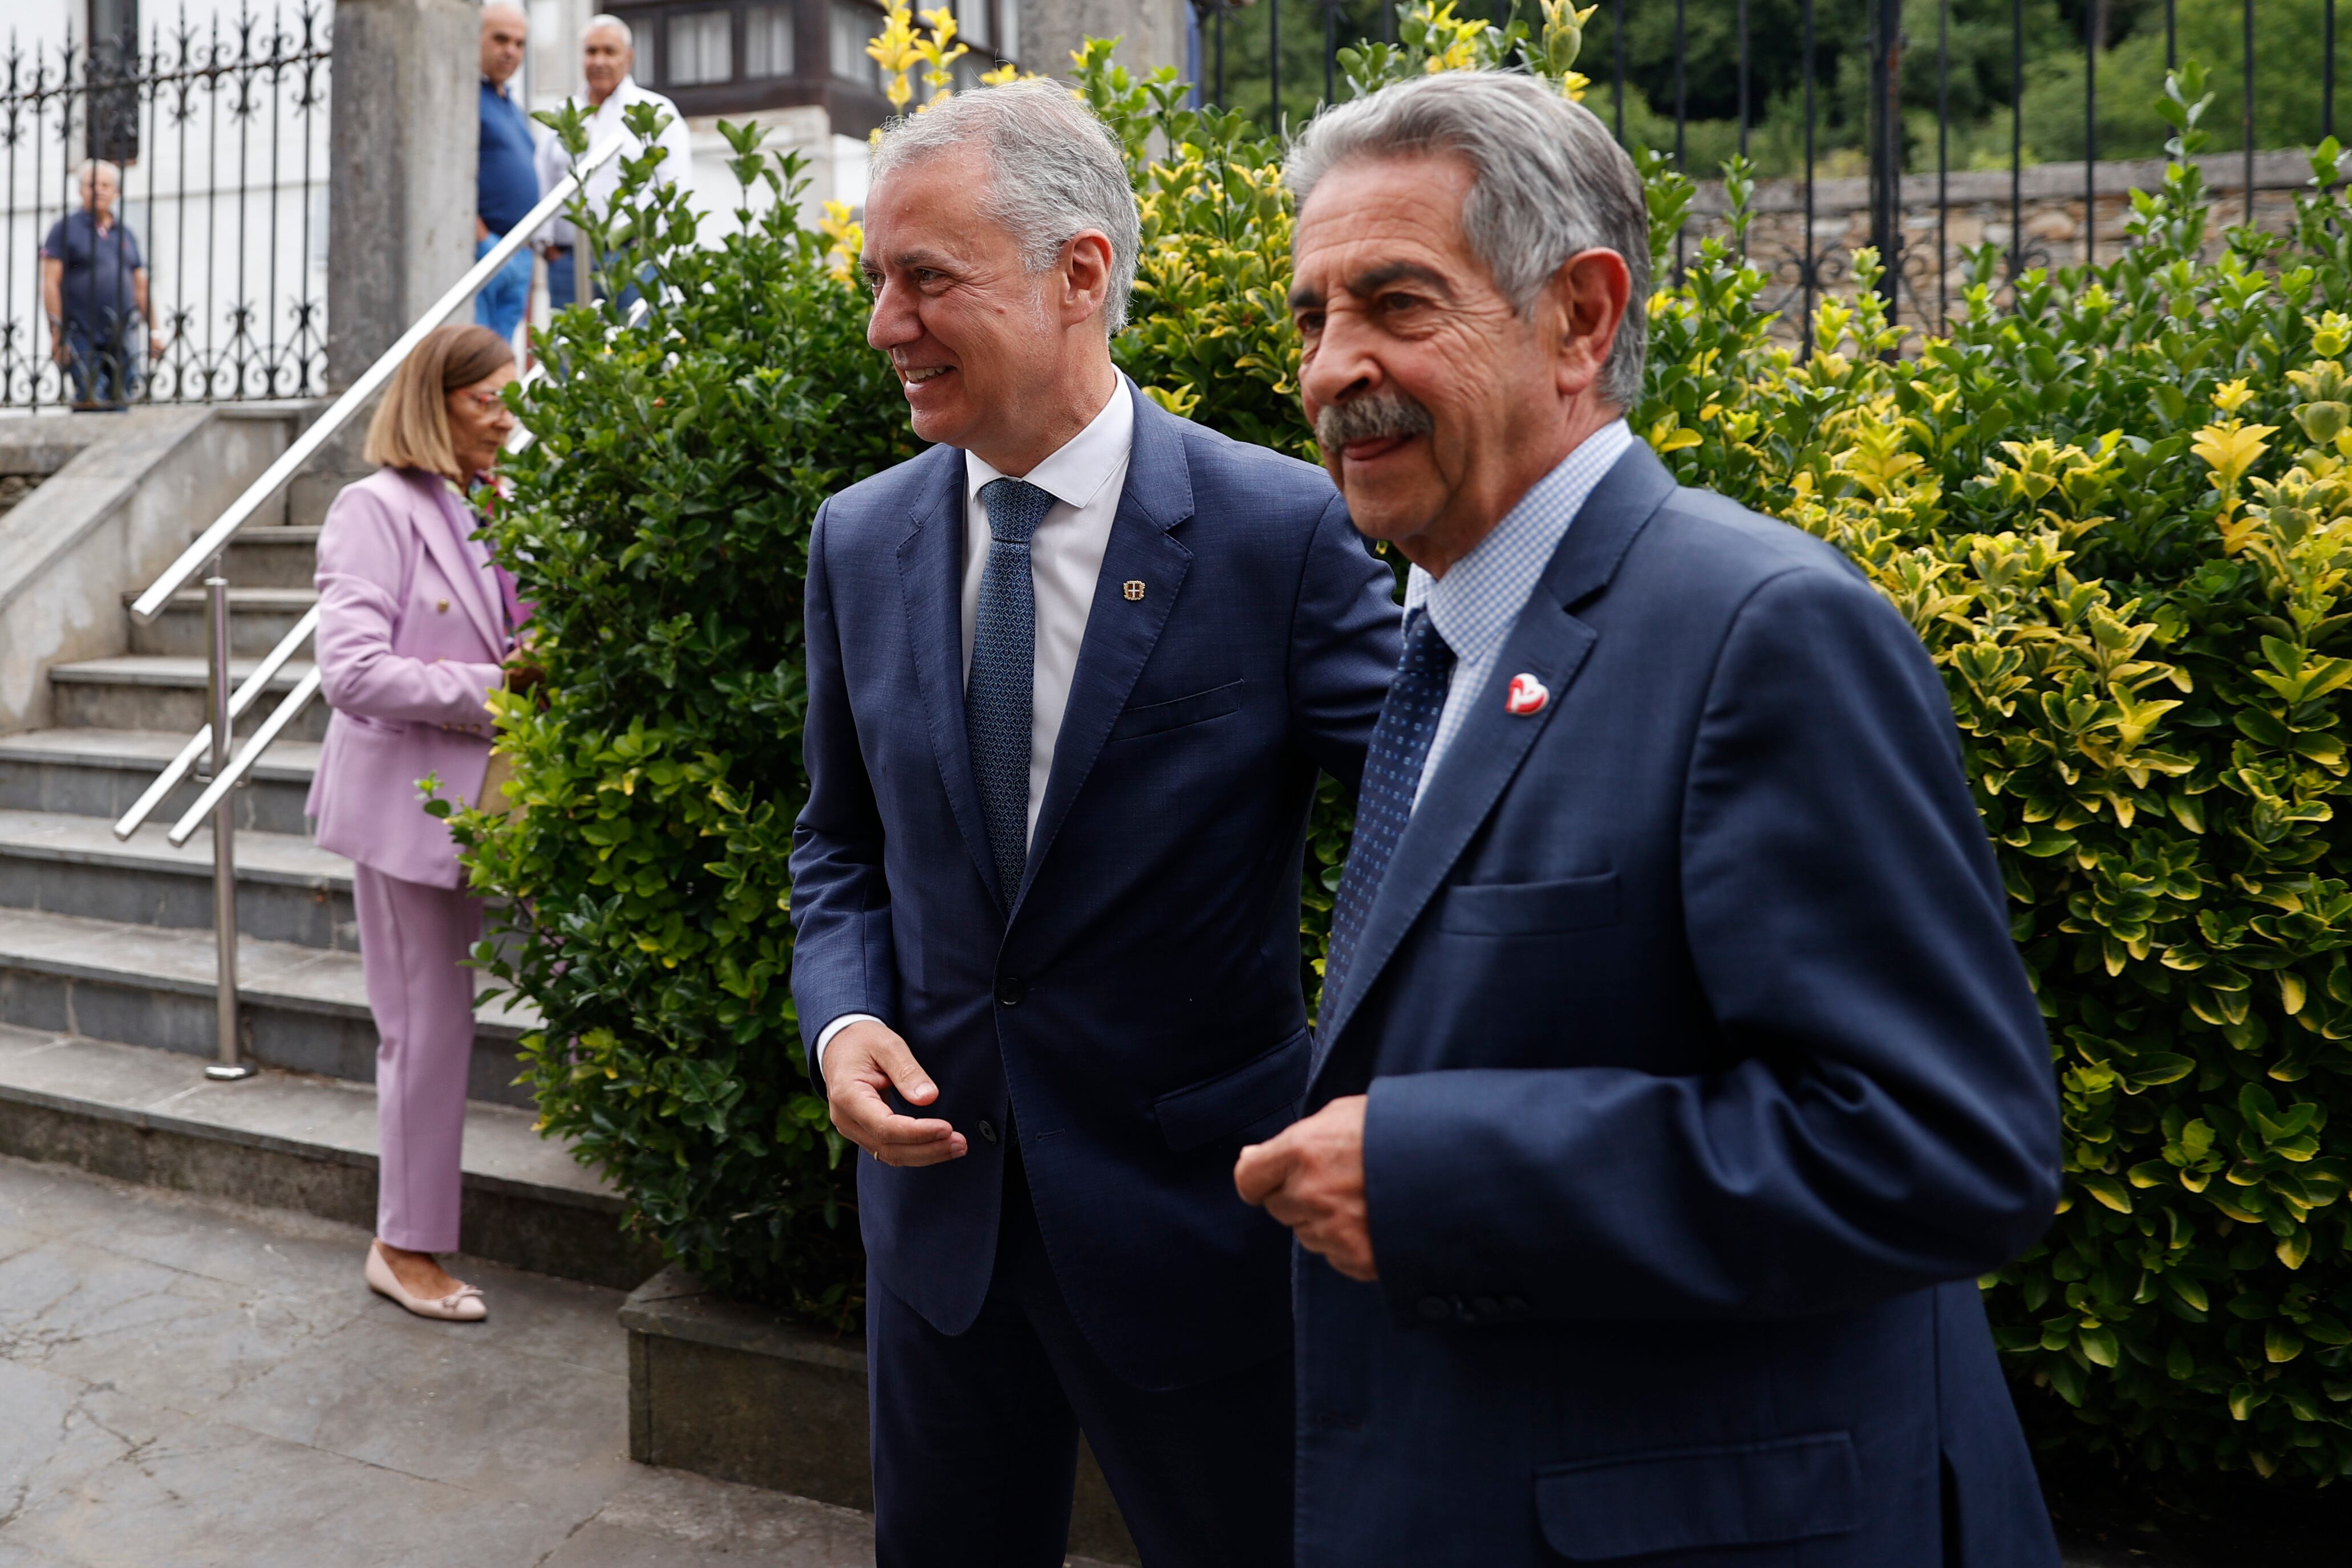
{"type": "Point", "coordinates": [505, 179]}
{"type": "Point", "coordinates": [415, 624]}
{"type": "Point", "coordinates": [94, 288]}
{"type": "Point", "coordinates": [1072, 674]}
{"type": "Point", "coordinates": [608, 57]}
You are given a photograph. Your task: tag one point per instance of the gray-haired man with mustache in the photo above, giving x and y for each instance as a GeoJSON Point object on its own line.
{"type": "Point", "coordinates": [1675, 1076]}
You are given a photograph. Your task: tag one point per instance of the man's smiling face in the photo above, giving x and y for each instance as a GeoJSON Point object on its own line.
{"type": "Point", "coordinates": [963, 321]}
{"type": "Point", "coordinates": [1425, 388]}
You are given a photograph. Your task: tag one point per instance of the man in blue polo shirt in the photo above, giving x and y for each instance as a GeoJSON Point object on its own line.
{"type": "Point", "coordinates": [507, 186]}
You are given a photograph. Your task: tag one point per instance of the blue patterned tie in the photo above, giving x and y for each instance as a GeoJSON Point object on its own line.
{"type": "Point", "coordinates": [996, 697]}
{"type": "Point", "coordinates": [1391, 776]}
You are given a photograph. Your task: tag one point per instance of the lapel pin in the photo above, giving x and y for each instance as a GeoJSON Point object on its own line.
{"type": "Point", "coordinates": [1133, 589]}
{"type": "Point", "coordinates": [442, 607]}
{"type": "Point", "coordinates": [1526, 695]}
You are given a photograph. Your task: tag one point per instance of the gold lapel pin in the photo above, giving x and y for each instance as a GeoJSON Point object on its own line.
{"type": "Point", "coordinates": [442, 607]}
{"type": "Point", "coordinates": [1134, 590]}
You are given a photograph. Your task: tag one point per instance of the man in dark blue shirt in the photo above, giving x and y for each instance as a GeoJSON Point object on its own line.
{"type": "Point", "coordinates": [94, 288]}
{"type": "Point", "coordinates": [506, 184]}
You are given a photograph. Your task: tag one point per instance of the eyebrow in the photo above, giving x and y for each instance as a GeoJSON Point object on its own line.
{"type": "Point", "coordinates": [936, 260]}
{"type": "Point", "coordinates": [1306, 297]}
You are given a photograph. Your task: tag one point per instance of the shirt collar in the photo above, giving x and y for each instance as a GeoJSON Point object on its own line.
{"type": "Point", "coordinates": [1477, 603]}
{"type": "Point", "coordinates": [1080, 466]}
{"type": "Point", "coordinates": [622, 96]}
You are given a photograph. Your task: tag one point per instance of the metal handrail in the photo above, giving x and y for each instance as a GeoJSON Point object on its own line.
{"type": "Point", "coordinates": [227, 778]}
{"type": "Point", "coordinates": [276, 477]}
{"type": "Point", "coordinates": [246, 695]}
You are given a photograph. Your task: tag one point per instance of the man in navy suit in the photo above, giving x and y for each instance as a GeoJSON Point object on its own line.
{"type": "Point", "coordinates": [1071, 675]}
{"type": "Point", "coordinates": [1675, 1075]}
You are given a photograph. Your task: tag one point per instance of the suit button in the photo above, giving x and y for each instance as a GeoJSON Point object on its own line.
{"type": "Point", "coordinates": [1434, 1309]}
{"type": "Point", "coordinates": [1010, 990]}
{"type": "Point", "coordinates": [988, 1130]}
{"type": "Point", "coordinates": [1484, 1307]}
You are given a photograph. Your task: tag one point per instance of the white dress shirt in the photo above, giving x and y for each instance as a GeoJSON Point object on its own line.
{"type": "Point", "coordinates": [604, 122]}
{"type": "Point", "coordinates": [1475, 606]}
{"type": "Point", "coordinates": [1085, 476]}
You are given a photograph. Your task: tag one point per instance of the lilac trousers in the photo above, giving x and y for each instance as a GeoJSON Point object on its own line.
{"type": "Point", "coordinates": [414, 939]}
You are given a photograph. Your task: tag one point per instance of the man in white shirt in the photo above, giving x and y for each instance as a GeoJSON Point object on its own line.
{"type": "Point", "coordinates": [608, 54]}
{"type": "Point", "coordinates": [1071, 676]}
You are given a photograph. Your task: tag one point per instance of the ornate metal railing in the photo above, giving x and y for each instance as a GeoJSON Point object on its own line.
{"type": "Point", "coordinates": [219, 130]}
{"type": "Point", "coordinates": [1929, 129]}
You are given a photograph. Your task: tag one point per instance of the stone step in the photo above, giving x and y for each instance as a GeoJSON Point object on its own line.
{"type": "Point", "coordinates": [273, 558]}
{"type": "Point", "coordinates": [288, 888]}
{"type": "Point", "coordinates": [102, 772]}
{"type": "Point", "coordinates": [152, 691]}
{"type": "Point", "coordinates": [301, 1008]}
{"type": "Point", "coordinates": [294, 1141]}
{"type": "Point", "coordinates": [257, 618]}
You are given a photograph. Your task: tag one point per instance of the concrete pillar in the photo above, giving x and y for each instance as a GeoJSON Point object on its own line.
{"type": "Point", "coordinates": [1152, 33]}
{"type": "Point", "coordinates": [400, 205]}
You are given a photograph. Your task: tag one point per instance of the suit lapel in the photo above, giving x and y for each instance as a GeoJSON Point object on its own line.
{"type": "Point", "coordinates": [1120, 632]}
{"type": "Point", "coordinates": [930, 580]}
{"type": "Point", "coordinates": [465, 576]}
{"type": "Point", "coordinates": [1548, 642]}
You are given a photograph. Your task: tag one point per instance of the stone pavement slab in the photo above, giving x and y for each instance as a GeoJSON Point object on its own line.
{"type": "Point", "coordinates": [191, 1382]}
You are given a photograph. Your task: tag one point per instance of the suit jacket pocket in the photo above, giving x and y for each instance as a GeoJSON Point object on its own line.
{"type": "Point", "coordinates": [1253, 1100]}
{"type": "Point", "coordinates": [1691, 1500]}
{"type": "Point", "coordinates": [1530, 908]}
{"type": "Point", "coordinates": [1201, 707]}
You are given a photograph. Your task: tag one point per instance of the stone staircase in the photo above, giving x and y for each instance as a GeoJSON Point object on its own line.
{"type": "Point", "coordinates": [107, 947]}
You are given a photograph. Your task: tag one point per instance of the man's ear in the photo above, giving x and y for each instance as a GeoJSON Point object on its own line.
{"type": "Point", "coordinates": [1584, 304]}
{"type": "Point", "coordinates": [1086, 275]}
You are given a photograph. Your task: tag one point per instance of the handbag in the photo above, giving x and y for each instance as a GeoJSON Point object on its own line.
{"type": "Point", "coordinates": [493, 800]}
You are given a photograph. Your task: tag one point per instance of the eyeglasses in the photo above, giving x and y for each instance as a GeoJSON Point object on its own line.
{"type": "Point", "coordinates": [484, 400]}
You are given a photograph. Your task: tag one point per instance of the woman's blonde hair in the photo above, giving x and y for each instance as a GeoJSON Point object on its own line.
{"type": "Point", "coordinates": [410, 427]}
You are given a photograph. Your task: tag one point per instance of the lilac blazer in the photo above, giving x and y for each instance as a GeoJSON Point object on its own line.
{"type": "Point", "coordinates": [411, 633]}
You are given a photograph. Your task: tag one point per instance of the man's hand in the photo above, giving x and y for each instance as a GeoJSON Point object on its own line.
{"type": "Point", "coordinates": [863, 1060]}
{"type": "Point", "coordinates": [1310, 1176]}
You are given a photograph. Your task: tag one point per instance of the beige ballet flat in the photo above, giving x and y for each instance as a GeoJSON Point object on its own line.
{"type": "Point", "coordinates": [462, 1305]}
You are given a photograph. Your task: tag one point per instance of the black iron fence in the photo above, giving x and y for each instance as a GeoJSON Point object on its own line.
{"type": "Point", "coordinates": [166, 220]}
{"type": "Point", "coordinates": [1929, 129]}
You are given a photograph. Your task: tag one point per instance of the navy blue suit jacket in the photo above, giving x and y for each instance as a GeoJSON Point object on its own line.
{"type": "Point", "coordinates": [1703, 1080]}
{"type": "Point", "coordinates": [1136, 1011]}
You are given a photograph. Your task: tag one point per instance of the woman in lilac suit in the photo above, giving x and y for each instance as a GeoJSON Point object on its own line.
{"type": "Point", "coordinates": [415, 622]}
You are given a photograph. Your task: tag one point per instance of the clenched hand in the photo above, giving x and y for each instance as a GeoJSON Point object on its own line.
{"type": "Point", "coordinates": [1310, 1176]}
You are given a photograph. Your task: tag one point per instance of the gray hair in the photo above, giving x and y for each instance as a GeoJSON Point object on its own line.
{"type": "Point", "coordinates": [606, 19]}
{"type": "Point", "coordinates": [1054, 172]}
{"type": "Point", "coordinates": [1547, 181]}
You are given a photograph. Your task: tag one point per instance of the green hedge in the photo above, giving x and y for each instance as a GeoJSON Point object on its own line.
{"type": "Point", "coordinates": [2116, 506]}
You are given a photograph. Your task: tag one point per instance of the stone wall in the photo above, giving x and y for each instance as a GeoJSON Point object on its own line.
{"type": "Point", "coordinates": [1976, 209]}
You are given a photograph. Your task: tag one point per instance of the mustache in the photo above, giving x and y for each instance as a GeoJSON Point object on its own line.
{"type": "Point", "coordinates": [1373, 416]}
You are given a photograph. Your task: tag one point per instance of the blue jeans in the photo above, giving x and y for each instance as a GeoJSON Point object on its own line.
{"type": "Point", "coordinates": [506, 296]}
{"type": "Point", "coordinates": [560, 291]}
{"type": "Point", "coordinates": [103, 367]}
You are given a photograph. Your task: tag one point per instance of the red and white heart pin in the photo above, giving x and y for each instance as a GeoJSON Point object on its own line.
{"type": "Point", "coordinates": [1526, 695]}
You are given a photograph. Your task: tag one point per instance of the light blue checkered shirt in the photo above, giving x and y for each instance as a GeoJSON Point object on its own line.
{"type": "Point", "coordinates": [1475, 606]}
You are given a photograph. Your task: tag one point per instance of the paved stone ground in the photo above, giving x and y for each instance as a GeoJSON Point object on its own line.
{"type": "Point", "coordinates": [186, 1384]}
